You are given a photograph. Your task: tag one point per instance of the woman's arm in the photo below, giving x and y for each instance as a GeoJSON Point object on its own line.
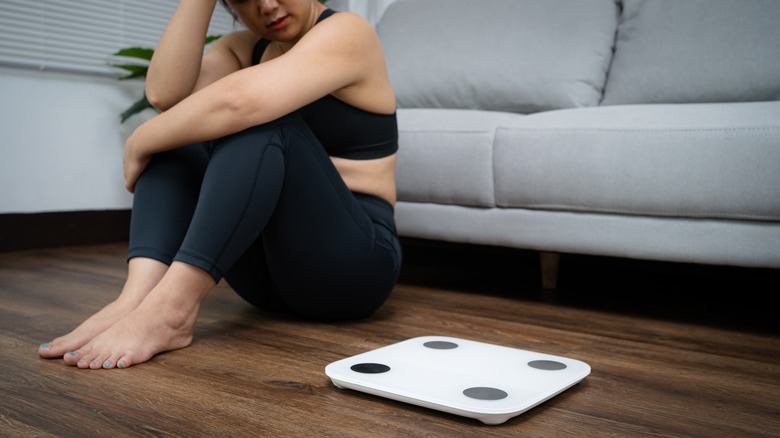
{"type": "Point", "coordinates": [178, 66]}
{"type": "Point", "coordinates": [341, 54]}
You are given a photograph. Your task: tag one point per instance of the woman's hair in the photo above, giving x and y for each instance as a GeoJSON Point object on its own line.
{"type": "Point", "coordinates": [225, 4]}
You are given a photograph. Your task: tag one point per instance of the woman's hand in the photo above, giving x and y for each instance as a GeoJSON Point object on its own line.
{"type": "Point", "coordinates": [134, 163]}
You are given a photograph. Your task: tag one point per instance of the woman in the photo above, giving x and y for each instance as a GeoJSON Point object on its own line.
{"type": "Point", "coordinates": [272, 165]}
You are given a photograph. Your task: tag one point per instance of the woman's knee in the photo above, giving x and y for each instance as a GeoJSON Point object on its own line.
{"type": "Point", "coordinates": [180, 164]}
{"type": "Point", "coordinates": [272, 133]}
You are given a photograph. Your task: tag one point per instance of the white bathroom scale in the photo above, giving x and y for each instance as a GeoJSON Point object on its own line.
{"type": "Point", "coordinates": [473, 379]}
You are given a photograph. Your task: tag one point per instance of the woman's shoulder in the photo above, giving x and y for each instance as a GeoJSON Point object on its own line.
{"type": "Point", "coordinates": [347, 22]}
{"type": "Point", "coordinates": [239, 43]}
{"type": "Point", "coordinates": [343, 31]}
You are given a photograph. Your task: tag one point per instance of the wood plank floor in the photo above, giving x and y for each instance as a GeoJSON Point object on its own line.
{"type": "Point", "coordinates": [670, 356]}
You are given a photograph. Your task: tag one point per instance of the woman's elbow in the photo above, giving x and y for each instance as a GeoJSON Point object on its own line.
{"type": "Point", "coordinates": [163, 97]}
{"type": "Point", "coordinates": [158, 100]}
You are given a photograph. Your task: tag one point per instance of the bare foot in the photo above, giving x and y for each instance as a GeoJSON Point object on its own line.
{"type": "Point", "coordinates": [164, 321]}
{"type": "Point", "coordinates": [143, 275]}
{"type": "Point", "coordinates": [150, 329]}
{"type": "Point", "coordinates": [93, 326]}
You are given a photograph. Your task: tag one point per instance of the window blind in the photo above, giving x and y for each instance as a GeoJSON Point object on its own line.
{"type": "Point", "coordinates": [371, 10]}
{"type": "Point", "coordinates": [81, 35]}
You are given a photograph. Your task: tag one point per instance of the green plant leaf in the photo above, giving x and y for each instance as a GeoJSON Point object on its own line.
{"type": "Point", "coordinates": [136, 52]}
{"type": "Point", "coordinates": [212, 38]}
{"type": "Point", "coordinates": [136, 71]}
{"type": "Point", "coordinates": [137, 107]}
{"type": "Point", "coordinates": [139, 71]}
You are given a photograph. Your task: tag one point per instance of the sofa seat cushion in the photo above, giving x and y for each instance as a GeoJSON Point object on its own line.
{"type": "Point", "coordinates": [446, 156]}
{"type": "Point", "coordinates": [695, 51]}
{"type": "Point", "coordinates": [500, 55]}
{"type": "Point", "coordinates": [697, 161]}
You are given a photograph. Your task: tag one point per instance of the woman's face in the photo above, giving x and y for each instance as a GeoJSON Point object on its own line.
{"type": "Point", "coordinates": [277, 20]}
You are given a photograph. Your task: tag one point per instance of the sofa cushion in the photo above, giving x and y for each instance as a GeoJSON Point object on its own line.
{"type": "Point", "coordinates": [672, 51]}
{"type": "Point", "coordinates": [446, 156]}
{"type": "Point", "coordinates": [504, 55]}
{"type": "Point", "coordinates": [697, 160]}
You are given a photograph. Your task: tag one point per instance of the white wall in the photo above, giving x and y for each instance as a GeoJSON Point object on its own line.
{"type": "Point", "coordinates": [60, 137]}
{"type": "Point", "coordinates": [369, 9]}
{"type": "Point", "coordinates": [61, 141]}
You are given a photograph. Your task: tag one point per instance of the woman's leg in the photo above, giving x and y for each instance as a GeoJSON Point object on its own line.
{"type": "Point", "coordinates": [142, 275]}
{"type": "Point", "coordinates": [237, 190]}
{"type": "Point", "coordinates": [162, 208]}
{"type": "Point", "coordinates": [323, 265]}
{"type": "Point", "coordinates": [325, 253]}
{"type": "Point", "coordinates": [277, 181]}
{"type": "Point", "coordinates": [164, 321]}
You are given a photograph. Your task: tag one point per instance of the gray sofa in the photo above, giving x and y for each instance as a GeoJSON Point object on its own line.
{"type": "Point", "coordinates": [640, 129]}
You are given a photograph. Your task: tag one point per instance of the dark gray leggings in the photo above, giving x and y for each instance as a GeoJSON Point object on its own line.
{"type": "Point", "coordinates": [266, 209]}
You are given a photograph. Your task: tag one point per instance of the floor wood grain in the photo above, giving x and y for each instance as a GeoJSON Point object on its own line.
{"type": "Point", "coordinates": [670, 356]}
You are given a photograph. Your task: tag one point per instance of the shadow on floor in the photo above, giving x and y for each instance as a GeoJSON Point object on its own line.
{"type": "Point", "coordinates": [720, 296]}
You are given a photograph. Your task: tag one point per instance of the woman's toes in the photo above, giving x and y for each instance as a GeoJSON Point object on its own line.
{"type": "Point", "coordinates": [111, 361]}
{"type": "Point", "coordinates": [71, 358]}
{"type": "Point", "coordinates": [88, 363]}
{"type": "Point", "coordinates": [52, 349]}
{"type": "Point", "coordinates": [45, 351]}
{"type": "Point", "coordinates": [101, 361]}
{"type": "Point", "coordinates": [123, 362]}
{"type": "Point", "coordinates": [87, 359]}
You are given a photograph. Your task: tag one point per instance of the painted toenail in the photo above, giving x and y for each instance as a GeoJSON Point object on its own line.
{"type": "Point", "coordinates": [94, 362]}
{"type": "Point", "coordinates": [72, 353]}
{"type": "Point", "coordinates": [45, 346]}
{"type": "Point", "coordinates": [106, 364]}
{"type": "Point", "coordinates": [82, 361]}
{"type": "Point", "coordinates": [121, 365]}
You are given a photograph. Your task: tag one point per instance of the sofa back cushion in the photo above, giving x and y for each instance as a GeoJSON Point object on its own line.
{"type": "Point", "coordinates": [673, 51]}
{"type": "Point", "coordinates": [503, 55]}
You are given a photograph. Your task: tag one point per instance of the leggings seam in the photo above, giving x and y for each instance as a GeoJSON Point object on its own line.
{"type": "Point", "coordinates": [238, 224]}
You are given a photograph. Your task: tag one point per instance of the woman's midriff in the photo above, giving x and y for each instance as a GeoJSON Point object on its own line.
{"type": "Point", "coordinates": [372, 177]}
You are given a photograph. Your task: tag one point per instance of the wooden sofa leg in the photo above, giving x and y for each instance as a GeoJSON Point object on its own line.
{"type": "Point", "coordinates": [550, 262]}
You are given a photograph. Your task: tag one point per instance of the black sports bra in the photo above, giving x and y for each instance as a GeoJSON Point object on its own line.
{"type": "Point", "coordinates": [344, 130]}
